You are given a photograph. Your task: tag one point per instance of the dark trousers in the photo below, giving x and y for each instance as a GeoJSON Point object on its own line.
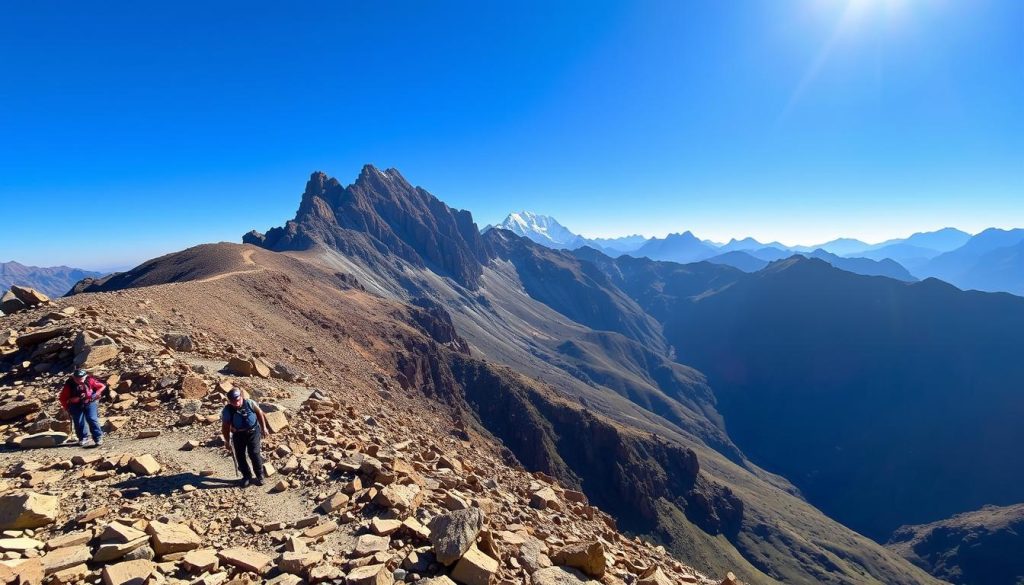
{"type": "Point", "coordinates": [248, 443]}
{"type": "Point", "coordinates": [86, 415]}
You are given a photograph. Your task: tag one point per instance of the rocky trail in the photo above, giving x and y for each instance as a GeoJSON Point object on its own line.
{"type": "Point", "coordinates": [368, 484]}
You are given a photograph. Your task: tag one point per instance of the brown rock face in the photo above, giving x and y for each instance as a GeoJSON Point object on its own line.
{"type": "Point", "coordinates": [193, 387]}
{"type": "Point", "coordinates": [18, 408]}
{"type": "Point", "coordinates": [29, 296]}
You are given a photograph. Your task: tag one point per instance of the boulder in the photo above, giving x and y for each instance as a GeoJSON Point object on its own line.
{"type": "Point", "coordinates": [42, 440]}
{"type": "Point", "coordinates": [544, 498]}
{"type": "Point", "coordinates": [333, 503]}
{"type": "Point", "coordinates": [453, 533]}
{"type": "Point", "coordinates": [370, 575]}
{"type": "Point", "coordinates": [91, 350]}
{"type": "Point", "coordinates": [38, 336]}
{"type": "Point", "coordinates": [560, 576]}
{"type": "Point", "coordinates": [276, 421]}
{"type": "Point", "coordinates": [10, 303]}
{"type": "Point", "coordinates": [128, 572]}
{"type": "Point", "coordinates": [171, 538]}
{"type": "Point", "coordinates": [29, 296]}
{"type": "Point", "coordinates": [194, 388]}
{"type": "Point", "coordinates": [19, 544]}
{"type": "Point", "coordinates": [247, 367]}
{"type": "Point", "coordinates": [367, 544]}
{"type": "Point", "coordinates": [585, 556]}
{"type": "Point", "coordinates": [75, 574]}
{"type": "Point", "coordinates": [27, 510]}
{"type": "Point", "coordinates": [18, 408]}
{"type": "Point", "coordinates": [474, 568]}
{"type": "Point", "coordinates": [245, 559]}
{"type": "Point", "coordinates": [144, 465]}
{"type": "Point", "coordinates": [179, 341]}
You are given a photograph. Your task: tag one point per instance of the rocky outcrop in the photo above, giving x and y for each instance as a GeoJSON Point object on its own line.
{"type": "Point", "coordinates": [382, 213]}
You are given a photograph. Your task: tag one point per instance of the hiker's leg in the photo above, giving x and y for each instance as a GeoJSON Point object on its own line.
{"type": "Point", "coordinates": [255, 440]}
{"type": "Point", "coordinates": [238, 441]}
{"type": "Point", "coordinates": [92, 416]}
{"type": "Point", "coordinates": [77, 414]}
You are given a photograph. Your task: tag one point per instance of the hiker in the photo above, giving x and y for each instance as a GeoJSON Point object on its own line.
{"type": "Point", "coordinates": [80, 398]}
{"type": "Point", "coordinates": [243, 424]}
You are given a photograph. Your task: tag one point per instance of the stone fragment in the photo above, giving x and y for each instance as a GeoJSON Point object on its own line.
{"type": "Point", "coordinates": [110, 551]}
{"type": "Point", "coordinates": [276, 421]}
{"type": "Point", "coordinates": [70, 539]}
{"type": "Point", "coordinates": [585, 556]}
{"type": "Point", "coordinates": [560, 576]}
{"type": "Point", "coordinates": [144, 465]}
{"type": "Point", "coordinates": [322, 529]}
{"type": "Point", "coordinates": [382, 527]}
{"type": "Point", "coordinates": [370, 575]}
{"type": "Point", "coordinates": [9, 303]}
{"type": "Point", "coordinates": [26, 571]}
{"type": "Point", "coordinates": [75, 574]}
{"type": "Point", "coordinates": [64, 558]}
{"type": "Point", "coordinates": [179, 341]}
{"type": "Point", "coordinates": [367, 544]}
{"type": "Point", "coordinates": [654, 576]}
{"type": "Point", "coordinates": [194, 388]}
{"type": "Point", "coordinates": [171, 538]}
{"type": "Point", "coordinates": [27, 510]}
{"type": "Point", "coordinates": [201, 561]}
{"type": "Point", "coordinates": [91, 351]}
{"type": "Point", "coordinates": [128, 572]}
{"type": "Point", "coordinates": [19, 544]}
{"type": "Point", "coordinates": [18, 408]}
{"type": "Point", "coordinates": [43, 440]}
{"type": "Point", "coordinates": [474, 568]}
{"type": "Point", "coordinates": [245, 559]}
{"type": "Point", "coordinates": [299, 563]}
{"type": "Point", "coordinates": [333, 503]}
{"type": "Point", "coordinates": [730, 579]}
{"type": "Point", "coordinates": [544, 498]}
{"type": "Point", "coordinates": [405, 498]}
{"type": "Point", "coordinates": [453, 533]}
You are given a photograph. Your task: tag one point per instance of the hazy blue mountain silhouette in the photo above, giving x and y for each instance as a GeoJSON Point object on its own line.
{"type": "Point", "coordinates": [682, 248]}
{"type": "Point", "coordinates": [979, 263]}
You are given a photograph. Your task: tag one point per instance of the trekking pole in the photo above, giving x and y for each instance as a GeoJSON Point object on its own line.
{"type": "Point", "coordinates": [234, 459]}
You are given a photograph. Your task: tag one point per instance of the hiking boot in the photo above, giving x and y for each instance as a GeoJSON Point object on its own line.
{"type": "Point", "coordinates": [257, 481]}
{"type": "Point", "coordinates": [99, 442]}
{"type": "Point", "coordinates": [84, 442]}
{"type": "Point", "coordinates": [244, 482]}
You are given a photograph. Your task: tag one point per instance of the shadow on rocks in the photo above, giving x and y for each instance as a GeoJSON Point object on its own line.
{"type": "Point", "coordinates": [168, 484]}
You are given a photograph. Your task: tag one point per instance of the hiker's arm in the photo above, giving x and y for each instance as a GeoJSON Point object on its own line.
{"type": "Point", "coordinates": [64, 396]}
{"type": "Point", "coordinates": [225, 430]}
{"type": "Point", "coordinates": [263, 421]}
{"type": "Point", "coordinates": [97, 387]}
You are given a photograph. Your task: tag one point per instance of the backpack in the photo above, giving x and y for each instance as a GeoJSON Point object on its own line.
{"type": "Point", "coordinates": [248, 408]}
{"type": "Point", "coordinates": [82, 391]}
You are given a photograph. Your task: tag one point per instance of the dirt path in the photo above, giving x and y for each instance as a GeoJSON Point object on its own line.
{"type": "Point", "coordinates": [246, 258]}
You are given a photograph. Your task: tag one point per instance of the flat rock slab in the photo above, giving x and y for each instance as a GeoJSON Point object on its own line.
{"type": "Point", "coordinates": [144, 465]}
{"type": "Point", "coordinates": [65, 558]}
{"type": "Point", "coordinates": [370, 575]}
{"type": "Point", "coordinates": [201, 561]}
{"type": "Point", "coordinates": [43, 440]}
{"type": "Point", "coordinates": [245, 559]}
{"type": "Point", "coordinates": [474, 568]}
{"type": "Point", "coordinates": [19, 544]}
{"type": "Point", "coordinates": [171, 538]}
{"type": "Point", "coordinates": [367, 544]}
{"type": "Point", "coordinates": [128, 572]}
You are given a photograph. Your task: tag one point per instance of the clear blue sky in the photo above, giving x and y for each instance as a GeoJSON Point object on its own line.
{"type": "Point", "coordinates": [131, 129]}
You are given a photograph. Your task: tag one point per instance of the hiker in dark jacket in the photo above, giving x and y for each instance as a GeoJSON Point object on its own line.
{"type": "Point", "coordinates": [243, 424]}
{"type": "Point", "coordinates": [79, 397]}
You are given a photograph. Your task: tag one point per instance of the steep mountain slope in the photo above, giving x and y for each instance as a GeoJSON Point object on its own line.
{"type": "Point", "coordinates": [975, 548]}
{"type": "Point", "coordinates": [711, 507]}
{"type": "Point", "coordinates": [54, 281]}
{"type": "Point", "coordinates": [863, 391]}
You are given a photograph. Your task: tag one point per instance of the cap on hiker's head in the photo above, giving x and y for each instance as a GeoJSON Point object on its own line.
{"type": "Point", "coordinates": [79, 373]}
{"type": "Point", "coordinates": [234, 395]}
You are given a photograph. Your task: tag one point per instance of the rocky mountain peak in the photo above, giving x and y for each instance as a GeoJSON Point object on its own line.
{"type": "Point", "coordinates": [382, 212]}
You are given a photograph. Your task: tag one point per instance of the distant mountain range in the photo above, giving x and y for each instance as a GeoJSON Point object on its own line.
{"type": "Point", "coordinates": [992, 260]}
{"type": "Point", "coordinates": [55, 281]}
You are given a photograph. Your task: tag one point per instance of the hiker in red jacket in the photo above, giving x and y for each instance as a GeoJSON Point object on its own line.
{"type": "Point", "coordinates": [79, 397]}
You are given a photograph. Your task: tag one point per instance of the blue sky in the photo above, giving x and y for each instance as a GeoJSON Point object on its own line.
{"type": "Point", "coordinates": [132, 129]}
